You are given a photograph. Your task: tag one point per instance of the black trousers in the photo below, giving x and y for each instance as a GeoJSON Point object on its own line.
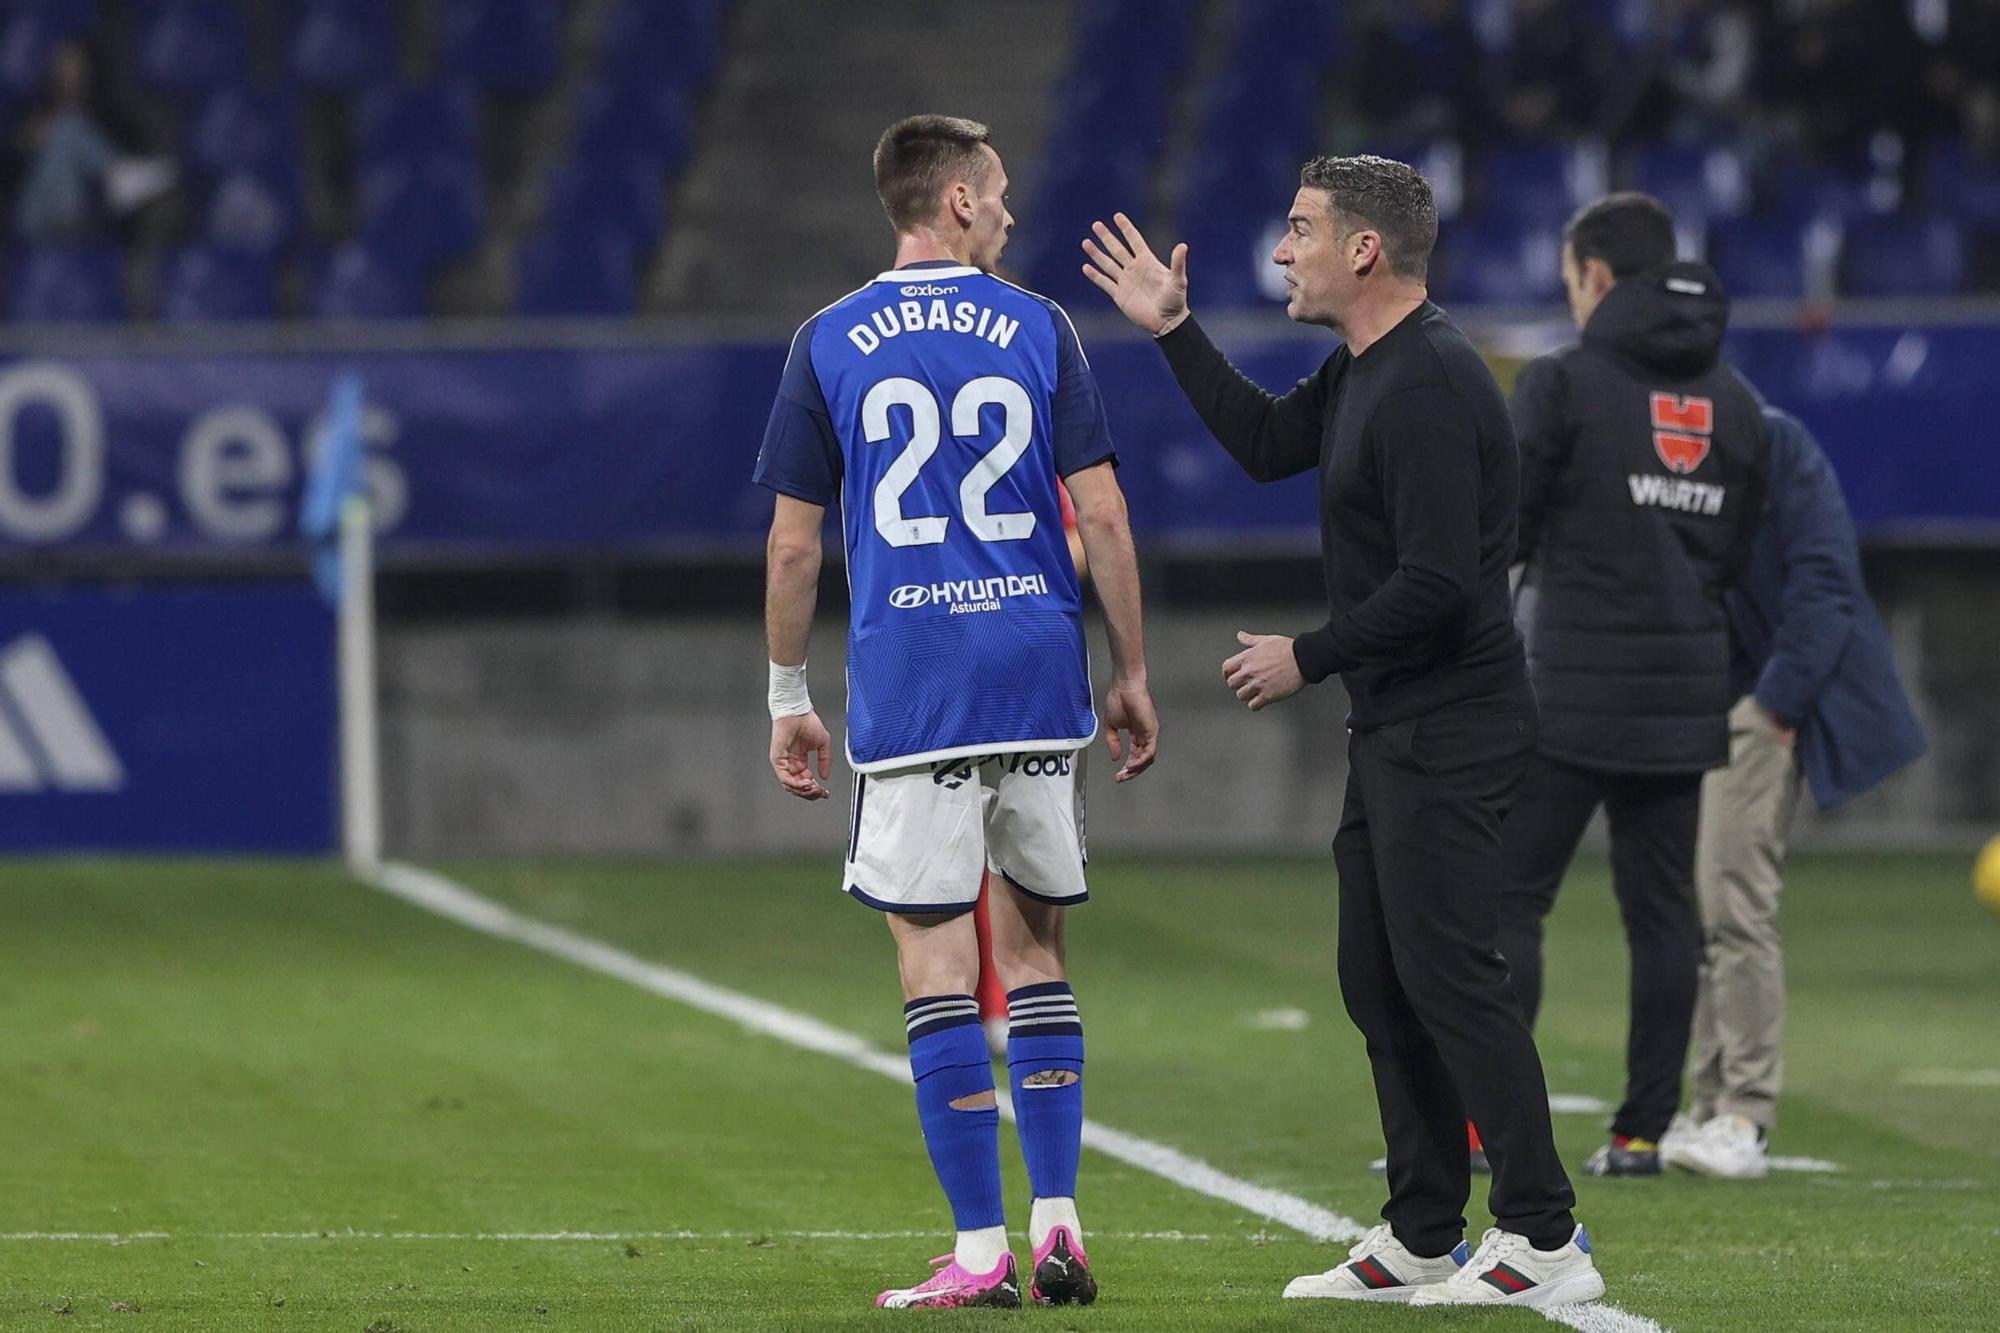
{"type": "Point", "coordinates": [1418, 853]}
{"type": "Point", "coordinates": [1654, 820]}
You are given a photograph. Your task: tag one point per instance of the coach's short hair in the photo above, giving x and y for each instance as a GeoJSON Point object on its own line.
{"type": "Point", "coordinates": [1631, 232]}
{"type": "Point", "coordinates": [1389, 197]}
{"type": "Point", "coordinates": [917, 157]}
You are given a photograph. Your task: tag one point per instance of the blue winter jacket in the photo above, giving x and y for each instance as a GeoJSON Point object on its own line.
{"type": "Point", "coordinates": [1805, 637]}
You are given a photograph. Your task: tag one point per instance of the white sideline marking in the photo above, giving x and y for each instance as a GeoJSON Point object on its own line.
{"type": "Point", "coordinates": [442, 897]}
{"type": "Point", "coordinates": [1280, 1020]}
{"type": "Point", "coordinates": [1809, 1164]}
{"type": "Point", "coordinates": [1576, 1103]}
{"type": "Point", "coordinates": [1950, 1078]}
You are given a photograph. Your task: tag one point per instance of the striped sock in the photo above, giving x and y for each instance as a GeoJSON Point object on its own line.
{"type": "Point", "coordinates": [1045, 1034]}
{"type": "Point", "coordinates": [949, 1061]}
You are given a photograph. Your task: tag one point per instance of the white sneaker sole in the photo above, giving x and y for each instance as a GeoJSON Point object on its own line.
{"type": "Point", "coordinates": [1396, 1295]}
{"type": "Point", "coordinates": [1572, 1290]}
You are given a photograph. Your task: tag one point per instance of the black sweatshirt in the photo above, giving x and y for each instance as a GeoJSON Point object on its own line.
{"type": "Point", "coordinates": [1418, 487]}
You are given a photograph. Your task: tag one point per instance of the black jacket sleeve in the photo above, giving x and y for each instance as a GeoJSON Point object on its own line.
{"type": "Point", "coordinates": [1271, 437]}
{"type": "Point", "coordinates": [1426, 453]}
{"type": "Point", "coordinates": [1539, 408]}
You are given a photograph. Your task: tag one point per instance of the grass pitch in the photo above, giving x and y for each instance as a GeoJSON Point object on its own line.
{"type": "Point", "coordinates": [277, 1099]}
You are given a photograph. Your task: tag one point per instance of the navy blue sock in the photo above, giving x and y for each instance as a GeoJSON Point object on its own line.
{"type": "Point", "coordinates": [1045, 1034]}
{"type": "Point", "coordinates": [949, 1061]}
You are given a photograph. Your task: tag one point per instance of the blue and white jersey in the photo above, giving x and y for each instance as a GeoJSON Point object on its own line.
{"type": "Point", "coordinates": [940, 405]}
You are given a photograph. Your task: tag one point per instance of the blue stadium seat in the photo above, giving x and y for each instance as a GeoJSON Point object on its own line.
{"type": "Point", "coordinates": [344, 45]}
{"type": "Point", "coordinates": [1803, 191]}
{"type": "Point", "coordinates": [626, 195]}
{"type": "Point", "coordinates": [1697, 181]}
{"type": "Point", "coordinates": [635, 119]}
{"type": "Point", "coordinates": [576, 273]}
{"type": "Point", "coordinates": [191, 45]}
{"type": "Point", "coordinates": [1759, 257]}
{"type": "Point", "coordinates": [255, 210]}
{"type": "Point", "coordinates": [1963, 186]}
{"type": "Point", "coordinates": [353, 282]}
{"type": "Point", "coordinates": [399, 121]}
{"type": "Point", "coordinates": [1497, 261]}
{"type": "Point", "coordinates": [240, 128]}
{"type": "Point", "coordinates": [29, 31]}
{"type": "Point", "coordinates": [1905, 255]}
{"type": "Point", "coordinates": [61, 284]}
{"type": "Point", "coordinates": [202, 282]}
{"type": "Point", "coordinates": [423, 209]}
{"type": "Point", "coordinates": [651, 43]}
{"type": "Point", "coordinates": [1538, 184]}
{"type": "Point", "coordinates": [504, 46]}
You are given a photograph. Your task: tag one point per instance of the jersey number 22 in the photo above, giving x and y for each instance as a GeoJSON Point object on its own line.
{"type": "Point", "coordinates": [1017, 416]}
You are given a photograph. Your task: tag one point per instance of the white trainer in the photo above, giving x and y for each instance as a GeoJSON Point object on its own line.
{"type": "Point", "coordinates": [1508, 1270]}
{"type": "Point", "coordinates": [1730, 1147]}
{"type": "Point", "coordinates": [1378, 1268]}
{"type": "Point", "coordinates": [1681, 1131]}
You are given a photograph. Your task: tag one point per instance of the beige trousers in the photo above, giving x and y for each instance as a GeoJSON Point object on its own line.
{"type": "Point", "coordinates": [1739, 1017]}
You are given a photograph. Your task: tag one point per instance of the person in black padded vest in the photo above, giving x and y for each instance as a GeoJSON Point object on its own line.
{"type": "Point", "coordinates": [1642, 461]}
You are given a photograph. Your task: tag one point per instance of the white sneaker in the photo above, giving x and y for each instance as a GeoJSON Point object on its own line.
{"type": "Point", "coordinates": [1681, 1131]}
{"type": "Point", "coordinates": [1729, 1146]}
{"type": "Point", "coordinates": [1508, 1270]}
{"type": "Point", "coordinates": [1378, 1268]}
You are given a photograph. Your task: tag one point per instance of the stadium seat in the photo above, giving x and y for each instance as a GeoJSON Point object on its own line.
{"type": "Point", "coordinates": [626, 195]}
{"type": "Point", "coordinates": [1922, 255]}
{"type": "Point", "coordinates": [1698, 182]}
{"type": "Point", "coordinates": [63, 284]}
{"type": "Point", "coordinates": [255, 210]}
{"type": "Point", "coordinates": [344, 45]}
{"type": "Point", "coordinates": [1803, 191]}
{"type": "Point", "coordinates": [191, 45]}
{"type": "Point", "coordinates": [1500, 262]}
{"type": "Point", "coordinates": [1963, 186]}
{"type": "Point", "coordinates": [630, 119]}
{"type": "Point", "coordinates": [241, 128]}
{"type": "Point", "coordinates": [504, 46]}
{"type": "Point", "coordinates": [1540, 184]}
{"type": "Point", "coordinates": [1759, 257]}
{"type": "Point", "coordinates": [586, 273]}
{"type": "Point", "coordinates": [419, 210]}
{"type": "Point", "coordinates": [353, 282]}
{"type": "Point", "coordinates": [651, 43]}
{"type": "Point", "coordinates": [400, 121]}
{"type": "Point", "coordinates": [204, 282]}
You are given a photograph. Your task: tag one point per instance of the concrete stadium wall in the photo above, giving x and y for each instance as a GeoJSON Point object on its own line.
{"type": "Point", "coordinates": [648, 737]}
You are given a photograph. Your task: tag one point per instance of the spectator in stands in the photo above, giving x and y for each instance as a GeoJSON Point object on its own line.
{"type": "Point", "coordinates": [1416, 70]}
{"type": "Point", "coordinates": [1842, 70]}
{"type": "Point", "coordinates": [1701, 54]}
{"type": "Point", "coordinates": [1963, 76]}
{"type": "Point", "coordinates": [78, 180]}
{"type": "Point", "coordinates": [1554, 71]}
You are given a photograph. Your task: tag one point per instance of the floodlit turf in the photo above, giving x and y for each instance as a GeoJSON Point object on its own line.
{"type": "Point", "coordinates": [247, 1055]}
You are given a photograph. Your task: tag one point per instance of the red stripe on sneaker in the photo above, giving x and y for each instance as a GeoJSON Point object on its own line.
{"type": "Point", "coordinates": [1505, 1278]}
{"type": "Point", "coordinates": [1372, 1273]}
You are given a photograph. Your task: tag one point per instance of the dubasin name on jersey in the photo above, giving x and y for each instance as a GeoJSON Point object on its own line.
{"type": "Point", "coordinates": [924, 309]}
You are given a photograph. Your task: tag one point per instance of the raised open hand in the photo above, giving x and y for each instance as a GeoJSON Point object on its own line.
{"type": "Point", "coordinates": [1150, 294]}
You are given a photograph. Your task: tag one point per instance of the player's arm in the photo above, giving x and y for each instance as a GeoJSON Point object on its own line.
{"type": "Point", "coordinates": [1105, 528]}
{"type": "Point", "coordinates": [791, 592]}
{"type": "Point", "coordinates": [1271, 437]}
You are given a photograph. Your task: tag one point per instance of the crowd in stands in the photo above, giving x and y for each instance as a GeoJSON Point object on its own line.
{"type": "Point", "coordinates": [245, 159]}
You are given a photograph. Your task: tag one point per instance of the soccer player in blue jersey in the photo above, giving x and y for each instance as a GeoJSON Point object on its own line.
{"type": "Point", "coordinates": [940, 405]}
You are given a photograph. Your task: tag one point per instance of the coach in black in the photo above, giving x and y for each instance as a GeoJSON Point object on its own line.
{"type": "Point", "coordinates": [1642, 461]}
{"type": "Point", "coordinates": [1418, 496]}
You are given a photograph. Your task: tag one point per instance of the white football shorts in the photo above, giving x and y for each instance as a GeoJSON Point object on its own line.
{"type": "Point", "coordinates": [918, 837]}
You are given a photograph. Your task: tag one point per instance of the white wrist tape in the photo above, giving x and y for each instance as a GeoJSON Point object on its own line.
{"type": "Point", "coordinates": [787, 694]}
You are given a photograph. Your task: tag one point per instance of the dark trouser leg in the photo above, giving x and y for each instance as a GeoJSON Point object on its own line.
{"type": "Point", "coordinates": [1544, 825]}
{"type": "Point", "coordinates": [1654, 824]}
{"type": "Point", "coordinates": [1422, 1120]}
{"type": "Point", "coordinates": [1435, 790]}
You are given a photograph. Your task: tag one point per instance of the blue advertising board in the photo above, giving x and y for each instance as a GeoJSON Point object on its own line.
{"type": "Point", "coordinates": [167, 717]}
{"type": "Point", "coordinates": [481, 451]}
